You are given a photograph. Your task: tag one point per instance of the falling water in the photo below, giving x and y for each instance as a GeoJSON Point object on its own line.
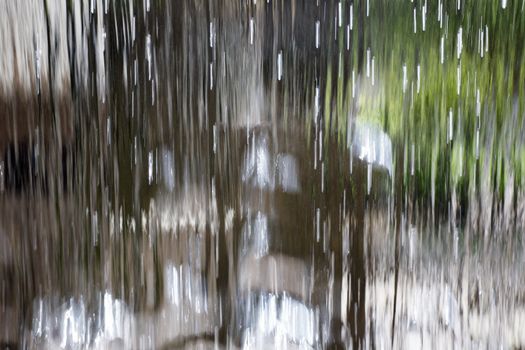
{"type": "Point", "coordinates": [262, 174]}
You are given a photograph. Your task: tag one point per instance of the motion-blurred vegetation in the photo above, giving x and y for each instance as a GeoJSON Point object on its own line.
{"type": "Point", "coordinates": [446, 80]}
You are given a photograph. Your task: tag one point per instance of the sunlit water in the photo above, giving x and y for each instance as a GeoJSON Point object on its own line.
{"type": "Point", "coordinates": [262, 174]}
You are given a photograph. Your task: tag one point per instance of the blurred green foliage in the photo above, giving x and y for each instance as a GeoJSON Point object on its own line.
{"type": "Point", "coordinates": [465, 117]}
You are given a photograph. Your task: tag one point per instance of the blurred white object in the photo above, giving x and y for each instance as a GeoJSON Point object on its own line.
{"type": "Point", "coordinates": [373, 145]}
{"type": "Point", "coordinates": [287, 173]}
{"type": "Point", "coordinates": [70, 325]}
{"type": "Point", "coordinates": [256, 169]}
{"type": "Point", "coordinates": [278, 321]}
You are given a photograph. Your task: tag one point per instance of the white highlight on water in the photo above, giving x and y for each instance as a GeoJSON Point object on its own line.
{"type": "Point", "coordinates": [280, 65]}
{"type": "Point", "coordinates": [481, 44]}
{"type": "Point", "coordinates": [251, 30]}
{"type": "Point", "coordinates": [340, 14]}
{"type": "Point", "coordinates": [368, 63]}
{"type": "Point", "coordinates": [450, 125]}
{"type": "Point", "coordinates": [460, 42]}
{"type": "Point", "coordinates": [440, 14]}
{"type": "Point", "coordinates": [212, 35]}
{"type": "Point", "coordinates": [424, 16]}
{"type": "Point", "coordinates": [316, 103]}
{"type": "Point", "coordinates": [148, 54]}
{"type": "Point", "coordinates": [317, 33]}
{"type": "Point", "coordinates": [418, 77]}
{"type": "Point", "coordinates": [415, 21]}
{"type": "Point", "coordinates": [486, 38]}
{"type": "Point", "coordinates": [150, 167]}
{"type": "Point", "coordinates": [351, 16]}
{"type": "Point", "coordinates": [215, 139]}
{"type": "Point", "coordinates": [442, 50]}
